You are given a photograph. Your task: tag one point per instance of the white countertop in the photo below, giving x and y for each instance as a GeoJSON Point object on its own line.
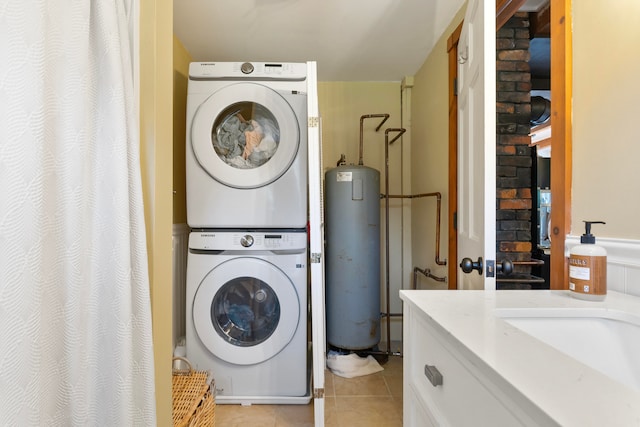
{"type": "Point", "coordinates": [571, 393]}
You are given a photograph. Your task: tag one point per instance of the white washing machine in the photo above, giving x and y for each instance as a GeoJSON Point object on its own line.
{"type": "Point", "coordinates": [246, 145]}
{"type": "Point", "coordinates": [246, 314]}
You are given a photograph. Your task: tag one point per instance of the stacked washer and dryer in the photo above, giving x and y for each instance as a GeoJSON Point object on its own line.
{"type": "Point", "coordinates": [246, 166]}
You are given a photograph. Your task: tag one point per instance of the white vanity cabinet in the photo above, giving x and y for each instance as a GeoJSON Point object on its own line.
{"type": "Point", "coordinates": [445, 385]}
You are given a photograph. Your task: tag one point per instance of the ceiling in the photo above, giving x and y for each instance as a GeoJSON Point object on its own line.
{"type": "Point", "coordinates": [351, 40]}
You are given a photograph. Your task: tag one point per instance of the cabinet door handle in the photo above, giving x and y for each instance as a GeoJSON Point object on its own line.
{"type": "Point", "coordinates": [434, 376]}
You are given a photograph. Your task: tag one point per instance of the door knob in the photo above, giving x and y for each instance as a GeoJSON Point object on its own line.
{"type": "Point", "coordinates": [468, 265]}
{"type": "Point", "coordinates": [505, 267]}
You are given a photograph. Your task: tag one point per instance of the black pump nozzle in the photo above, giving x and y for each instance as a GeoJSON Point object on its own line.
{"type": "Point", "coordinates": [587, 237]}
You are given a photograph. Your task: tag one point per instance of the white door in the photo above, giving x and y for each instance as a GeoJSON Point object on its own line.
{"type": "Point", "coordinates": [477, 145]}
{"type": "Point", "coordinates": [316, 244]}
{"type": "Point", "coordinates": [245, 135]}
{"type": "Point", "coordinates": [244, 319]}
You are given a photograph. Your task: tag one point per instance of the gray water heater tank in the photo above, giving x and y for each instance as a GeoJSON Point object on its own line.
{"type": "Point", "coordinates": [352, 267]}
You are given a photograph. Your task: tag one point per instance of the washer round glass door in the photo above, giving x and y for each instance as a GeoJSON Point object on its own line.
{"type": "Point", "coordinates": [246, 310]}
{"type": "Point", "coordinates": [245, 135]}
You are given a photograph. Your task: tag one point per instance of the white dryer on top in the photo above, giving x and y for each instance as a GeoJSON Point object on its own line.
{"type": "Point", "coordinates": [246, 145]}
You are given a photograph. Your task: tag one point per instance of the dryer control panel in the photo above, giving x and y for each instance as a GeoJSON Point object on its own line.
{"type": "Point", "coordinates": [248, 70]}
{"type": "Point", "coordinates": [242, 240]}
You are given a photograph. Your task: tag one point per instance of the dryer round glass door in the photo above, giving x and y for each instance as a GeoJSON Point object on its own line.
{"type": "Point", "coordinates": [246, 310]}
{"type": "Point", "coordinates": [245, 135]}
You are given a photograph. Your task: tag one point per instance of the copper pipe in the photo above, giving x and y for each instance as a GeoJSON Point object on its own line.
{"type": "Point", "coordinates": [427, 273]}
{"type": "Point", "coordinates": [438, 209]}
{"type": "Point", "coordinates": [368, 116]}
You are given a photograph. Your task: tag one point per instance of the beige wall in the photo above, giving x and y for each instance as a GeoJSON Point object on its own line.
{"type": "Point", "coordinates": [156, 105]}
{"type": "Point", "coordinates": [430, 156]}
{"type": "Point", "coordinates": [341, 105]}
{"type": "Point", "coordinates": [181, 60]}
{"type": "Point", "coordinates": [606, 117]}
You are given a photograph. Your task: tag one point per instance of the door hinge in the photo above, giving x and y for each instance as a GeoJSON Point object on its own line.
{"type": "Point", "coordinates": [315, 257]}
{"type": "Point", "coordinates": [313, 122]}
{"type": "Point", "coordinates": [318, 393]}
{"type": "Point", "coordinates": [455, 220]}
{"type": "Point", "coordinates": [455, 86]}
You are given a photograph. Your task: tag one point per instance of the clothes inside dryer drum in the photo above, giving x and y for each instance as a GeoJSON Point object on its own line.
{"type": "Point", "coordinates": [245, 311]}
{"type": "Point", "coordinates": [245, 135]}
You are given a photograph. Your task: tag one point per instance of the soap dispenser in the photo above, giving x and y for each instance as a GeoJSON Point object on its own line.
{"type": "Point", "coordinates": [588, 267]}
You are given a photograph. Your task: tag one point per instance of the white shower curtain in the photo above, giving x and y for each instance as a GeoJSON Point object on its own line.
{"type": "Point", "coordinates": [75, 319]}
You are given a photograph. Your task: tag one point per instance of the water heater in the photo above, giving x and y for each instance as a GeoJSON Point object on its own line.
{"type": "Point", "coordinates": [352, 275]}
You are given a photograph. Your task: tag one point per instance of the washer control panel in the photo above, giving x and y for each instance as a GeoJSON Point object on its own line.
{"type": "Point", "coordinates": [247, 240]}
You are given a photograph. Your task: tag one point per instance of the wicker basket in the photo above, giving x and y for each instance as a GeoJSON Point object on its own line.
{"type": "Point", "coordinates": [193, 400]}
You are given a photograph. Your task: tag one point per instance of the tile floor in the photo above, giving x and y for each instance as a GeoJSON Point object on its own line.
{"type": "Point", "coordinates": [372, 400]}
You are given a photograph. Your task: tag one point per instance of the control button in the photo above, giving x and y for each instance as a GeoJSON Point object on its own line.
{"type": "Point", "coordinates": [246, 240]}
{"type": "Point", "coordinates": [247, 68]}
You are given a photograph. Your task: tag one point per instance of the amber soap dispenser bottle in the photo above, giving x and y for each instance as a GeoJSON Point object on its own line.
{"type": "Point", "coordinates": [588, 267]}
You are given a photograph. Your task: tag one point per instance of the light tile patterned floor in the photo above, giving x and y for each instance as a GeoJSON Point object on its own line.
{"type": "Point", "coordinates": [372, 400]}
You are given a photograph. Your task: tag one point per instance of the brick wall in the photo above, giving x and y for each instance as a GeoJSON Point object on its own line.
{"type": "Point", "coordinates": [514, 156]}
